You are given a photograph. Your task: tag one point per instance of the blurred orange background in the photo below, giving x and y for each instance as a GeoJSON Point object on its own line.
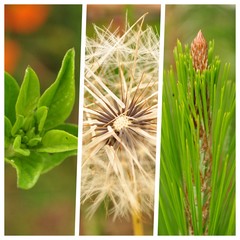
{"type": "Point", "coordinates": [21, 19]}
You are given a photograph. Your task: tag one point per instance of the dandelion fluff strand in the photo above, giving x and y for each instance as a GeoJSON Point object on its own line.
{"type": "Point", "coordinates": [120, 111]}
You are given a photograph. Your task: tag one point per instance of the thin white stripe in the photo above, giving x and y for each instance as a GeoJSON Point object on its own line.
{"type": "Point", "coordinates": [159, 118]}
{"type": "Point", "coordinates": [80, 122]}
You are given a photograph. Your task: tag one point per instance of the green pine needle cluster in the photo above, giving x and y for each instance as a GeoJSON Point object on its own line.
{"type": "Point", "coordinates": [197, 170]}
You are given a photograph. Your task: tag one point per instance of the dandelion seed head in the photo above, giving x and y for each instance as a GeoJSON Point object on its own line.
{"type": "Point", "coordinates": [120, 115]}
{"type": "Point", "coordinates": [121, 122]}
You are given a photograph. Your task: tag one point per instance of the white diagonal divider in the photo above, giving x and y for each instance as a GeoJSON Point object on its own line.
{"type": "Point", "coordinates": [80, 121]}
{"type": "Point", "coordinates": [159, 118]}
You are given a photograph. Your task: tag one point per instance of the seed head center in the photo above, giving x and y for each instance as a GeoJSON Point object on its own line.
{"type": "Point", "coordinates": [121, 122]}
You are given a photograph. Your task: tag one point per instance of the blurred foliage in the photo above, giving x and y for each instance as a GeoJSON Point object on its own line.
{"type": "Point", "coordinates": [46, 209]}
{"type": "Point", "coordinates": [39, 35]}
{"type": "Point", "coordinates": [216, 22]}
{"type": "Point", "coordinates": [102, 15]}
{"type": "Point", "coordinates": [118, 14]}
{"type": "Point", "coordinates": [104, 224]}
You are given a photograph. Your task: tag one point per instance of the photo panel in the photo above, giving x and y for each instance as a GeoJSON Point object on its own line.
{"type": "Point", "coordinates": [41, 82]}
{"type": "Point", "coordinates": [120, 119]}
{"type": "Point", "coordinates": [198, 132]}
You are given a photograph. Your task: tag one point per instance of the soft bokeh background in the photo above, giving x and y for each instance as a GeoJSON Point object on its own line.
{"type": "Point", "coordinates": [39, 36]}
{"type": "Point", "coordinates": [216, 22]}
{"type": "Point", "coordinates": [102, 15]}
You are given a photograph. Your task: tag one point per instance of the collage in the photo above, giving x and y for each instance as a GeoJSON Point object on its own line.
{"type": "Point", "coordinates": [120, 120]}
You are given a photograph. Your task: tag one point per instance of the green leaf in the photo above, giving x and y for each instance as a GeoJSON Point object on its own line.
{"type": "Point", "coordinates": [29, 93]}
{"type": "Point", "coordinates": [55, 141]}
{"type": "Point", "coordinates": [53, 160]}
{"type": "Point", "coordinates": [11, 90]}
{"type": "Point", "coordinates": [28, 169]}
{"type": "Point", "coordinates": [69, 127]}
{"type": "Point", "coordinates": [59, 97]}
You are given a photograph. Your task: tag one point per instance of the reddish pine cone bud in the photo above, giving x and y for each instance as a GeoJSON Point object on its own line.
{"type": "Point", "coordinates": [199, 52]}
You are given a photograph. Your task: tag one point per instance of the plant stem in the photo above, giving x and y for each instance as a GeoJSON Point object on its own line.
{"type": "Point", "coordinates": [188, 212]}
{"type": "Point", "coordinates": [206, 180]}
{"type": "Point", "coordinates": [137, 224]}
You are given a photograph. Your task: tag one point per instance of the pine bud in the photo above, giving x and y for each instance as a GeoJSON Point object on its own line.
{"type": "Point", "coordinates": [199, 52]}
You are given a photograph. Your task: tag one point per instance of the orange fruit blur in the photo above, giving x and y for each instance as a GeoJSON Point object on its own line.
{"type": "Point", "coordinates": [11, 56]}
{"type": "Point", "coordinates": [25, 18]}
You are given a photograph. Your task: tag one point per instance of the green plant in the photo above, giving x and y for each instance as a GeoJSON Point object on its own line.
{"type": "Point", "coordinates": [197, 170]}
{"type": "Point", "coordinates": [36, 137]}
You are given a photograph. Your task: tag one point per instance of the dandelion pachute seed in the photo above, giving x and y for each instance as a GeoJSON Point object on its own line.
{"type": "Point", "coordinates": [120, 117]}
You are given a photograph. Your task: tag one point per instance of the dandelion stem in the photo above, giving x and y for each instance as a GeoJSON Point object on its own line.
{"type": "Point", "coordinates": [137, 224]}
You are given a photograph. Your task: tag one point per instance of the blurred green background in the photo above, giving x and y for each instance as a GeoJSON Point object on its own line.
{"type": "Point", "coordinates": [102, 15]}
{"type": "Point", "coordinates": [216, 22]}
{"type": "Point", "coordinates": [39, 36]}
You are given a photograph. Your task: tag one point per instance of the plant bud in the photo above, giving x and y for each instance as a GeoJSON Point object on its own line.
{"type": "Point", "coordinates": [199, 52]}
